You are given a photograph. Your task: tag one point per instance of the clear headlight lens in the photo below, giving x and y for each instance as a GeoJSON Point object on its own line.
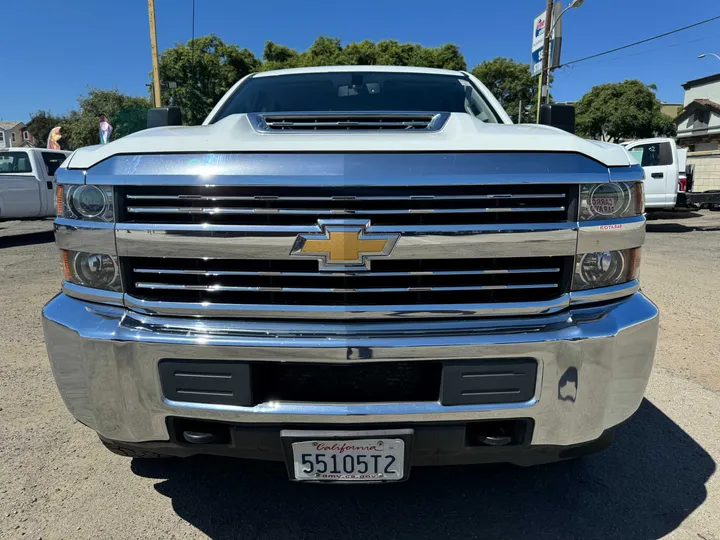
{"type": "Point", "coordinates": [91, 203]}
{"type": "Point", "coordinates": [96, 270]}
{"type": "Point", "coordinates": [605, 268]}
{"type": "Point", "coordinates": [611, 200]}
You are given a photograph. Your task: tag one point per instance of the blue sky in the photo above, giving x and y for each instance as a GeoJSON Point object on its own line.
{"type": "Point", "coordinates": [59, 48]}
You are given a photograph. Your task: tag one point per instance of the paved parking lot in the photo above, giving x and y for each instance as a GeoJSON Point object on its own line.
{"type": "Point", "coordinates": [658, 480]}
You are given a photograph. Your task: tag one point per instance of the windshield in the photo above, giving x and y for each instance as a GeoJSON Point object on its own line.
{"type": "Point", "coordinates": [358, 91]}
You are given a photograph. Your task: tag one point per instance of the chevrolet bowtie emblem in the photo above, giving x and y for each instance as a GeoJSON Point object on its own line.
{"type": "Point", "coordinates": [344, 245]}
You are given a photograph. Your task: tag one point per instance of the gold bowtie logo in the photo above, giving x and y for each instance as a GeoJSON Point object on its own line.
{"type": "Point", "coordinates": [344, 245]}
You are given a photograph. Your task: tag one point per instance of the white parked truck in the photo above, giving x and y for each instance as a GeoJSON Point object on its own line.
{"type": "Point", "coordinates": [667, 181]}
{"type": "Point", "coordinates": [27, 182]}
{"type": "Point", "coordinates": [353, 270]}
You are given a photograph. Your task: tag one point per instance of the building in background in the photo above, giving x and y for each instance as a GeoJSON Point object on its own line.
{"type": "Point", "coordinates": [699, 122]}
{"type": "Point", "coordinates": [699, 131]}
{"type": "Point", "coordinates": [15, 134]}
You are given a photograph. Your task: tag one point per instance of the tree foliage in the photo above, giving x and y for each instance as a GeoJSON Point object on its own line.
{"type": "Point", "coordinates": [618, 111]}
{"type": "Point", "coordinates": [203, 70]}
{"type": "Point", "coordinates": [328, 51]}
{"type": "Point", "coordinates": [127, 114]}
{"type": "Point", "coordinates": [512, 84]}
{"type": "Point", "coordinates": [41, 123]}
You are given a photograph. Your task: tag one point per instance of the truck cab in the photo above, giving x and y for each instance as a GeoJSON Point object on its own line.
{"type": "Point", "coordinates": [659, 158]}
{"type": "Point", "coordinates": [27, 182]}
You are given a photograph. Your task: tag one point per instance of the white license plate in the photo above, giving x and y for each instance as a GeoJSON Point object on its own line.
{"type": "Point", "coordinates": [349, 460]}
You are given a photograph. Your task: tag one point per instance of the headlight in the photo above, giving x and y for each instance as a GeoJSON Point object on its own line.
{"type": "Point", "coordinates": [96, 270]}
{"type": "Point", "coordinates": [91, 203]}
{"type": "Point", "coordinates": [605, 268]}
{"type": "Point", "coordinates": [611, 200]}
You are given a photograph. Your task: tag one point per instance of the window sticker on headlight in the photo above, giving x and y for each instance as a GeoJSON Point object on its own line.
{"type": "Point", "coordinates": [607, 200]}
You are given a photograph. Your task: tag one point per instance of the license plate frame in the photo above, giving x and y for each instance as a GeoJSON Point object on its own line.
{"type": "Point", "coordinates": [290, 437]}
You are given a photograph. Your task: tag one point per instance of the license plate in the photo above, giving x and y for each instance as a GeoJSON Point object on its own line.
{"type": "Point", "coordinates": [349, 460]}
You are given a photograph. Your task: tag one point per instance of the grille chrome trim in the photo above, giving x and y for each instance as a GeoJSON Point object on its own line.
{"type": "Point", "coordinates": [350, 198]}
{"type": "Point", "coordinates": [221, 288]}
{"type": "Point", "coordinates": [315, 212]}
{"type": "Point", "coordinates": [353, 274]}
{"type": "Point", "coordinates": [273, 242]}
{"type": "Point", "coordinates": [397, 312]}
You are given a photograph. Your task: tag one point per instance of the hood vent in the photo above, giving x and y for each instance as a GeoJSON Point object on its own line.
{"type": "Point", "coordinates": [340, 121]}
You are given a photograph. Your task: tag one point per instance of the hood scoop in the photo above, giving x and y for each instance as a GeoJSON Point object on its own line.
{"type": "Point", "coordinates": [347, 121]}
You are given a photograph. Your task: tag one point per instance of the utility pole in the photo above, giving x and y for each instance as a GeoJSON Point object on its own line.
{"type": "Point", "coordinates": [153, 46]}
{"type": "Point", "coordinates": [520, 112]}
{"type": "Point", "coordinates": [545, 73]}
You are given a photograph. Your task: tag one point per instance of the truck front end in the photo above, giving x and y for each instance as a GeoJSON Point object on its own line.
{"type": "Point", "coordinates": [355, 312]}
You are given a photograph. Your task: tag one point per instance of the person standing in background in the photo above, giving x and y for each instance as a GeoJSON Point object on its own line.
{"type": "Point", "coordinates": [105, 130]}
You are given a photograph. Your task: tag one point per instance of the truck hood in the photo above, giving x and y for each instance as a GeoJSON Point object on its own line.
{"type": "Point", "coordinates": [461, 133]}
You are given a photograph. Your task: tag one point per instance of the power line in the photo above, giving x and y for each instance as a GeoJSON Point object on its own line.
{"type": "Point", "coordinates": [638, 42]}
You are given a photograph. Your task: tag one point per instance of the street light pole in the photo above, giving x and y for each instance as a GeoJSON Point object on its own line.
{"type": "Point", "coordinates": [153, 46]}
{"type": "Point", "coordinates": [544, 78]}
{"type": "Point", "coordinates": [709, 54]}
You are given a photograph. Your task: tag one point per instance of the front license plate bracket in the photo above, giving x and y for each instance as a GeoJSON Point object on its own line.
{"type": "Point", "coordinates": [291, 436]}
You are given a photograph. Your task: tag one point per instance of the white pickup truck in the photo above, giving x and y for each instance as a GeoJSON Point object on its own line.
{"type": "Point", "coordinates": [353, 270]}
{"type": "Point", "coordinates": [667, 182]}
{"type": "Point", "coordinates": [27, 182]}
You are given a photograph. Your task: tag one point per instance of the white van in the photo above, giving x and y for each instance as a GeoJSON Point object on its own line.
{"type": "Point", "coordinates": [27, 182]}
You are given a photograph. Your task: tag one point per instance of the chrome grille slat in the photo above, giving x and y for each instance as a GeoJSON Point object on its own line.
{"type": "Point", "coordinates": [349, 197]}
{"type": "Point", "coordinates": [336, 211]}
{"type": "Point", "coordinates": [221, 288]}
{"type": "Point", "coordinates": [343, 274]}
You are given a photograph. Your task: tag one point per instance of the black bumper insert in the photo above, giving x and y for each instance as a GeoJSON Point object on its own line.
{"type": "Point", "coordinates": [462, 382]}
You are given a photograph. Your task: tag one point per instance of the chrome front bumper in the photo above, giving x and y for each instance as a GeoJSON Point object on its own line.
{"type": "Point", "coordinates": [594, 365]}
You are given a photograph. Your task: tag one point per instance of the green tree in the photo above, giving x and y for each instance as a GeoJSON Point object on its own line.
{"type": "Point", "coordinates": [617, 111]}
{"type": "Point", "coordinates": [512, 84]}
{"type": "Point", "coordinates": [203, 70]}
{"type": "Point", "coordinates": [328, 51]}
{"type": "Point", "coordinates": [126, 114]}
{"type": "Point", "coordinates": [41, 123]}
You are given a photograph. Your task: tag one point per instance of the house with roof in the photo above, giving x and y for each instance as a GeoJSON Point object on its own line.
{"type": "Point", "coordinates": [699, 122]}
{"type": "Point", "coordinates": [15, 134]}
{"type": "Point", "coordinates": [698, 130]}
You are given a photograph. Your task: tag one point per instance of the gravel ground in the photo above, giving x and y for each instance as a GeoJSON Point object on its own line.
{"type": "Point", "coordinates": [57, 481]}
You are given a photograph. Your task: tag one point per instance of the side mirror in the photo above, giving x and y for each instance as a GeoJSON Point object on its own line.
{"type": "Point", "coordinates": [559, 116]}
{"type": "Point", "coordinates": [164, 116]}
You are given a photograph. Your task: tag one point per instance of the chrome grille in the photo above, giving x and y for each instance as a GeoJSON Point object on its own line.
{"type": "Point", "coordinates": [390, 281]}
{"type": "Point", "coordinates": [411, 205]}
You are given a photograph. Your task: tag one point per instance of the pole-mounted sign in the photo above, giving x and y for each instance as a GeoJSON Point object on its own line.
{"type": "Point", "coordinates": [555, 39]}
